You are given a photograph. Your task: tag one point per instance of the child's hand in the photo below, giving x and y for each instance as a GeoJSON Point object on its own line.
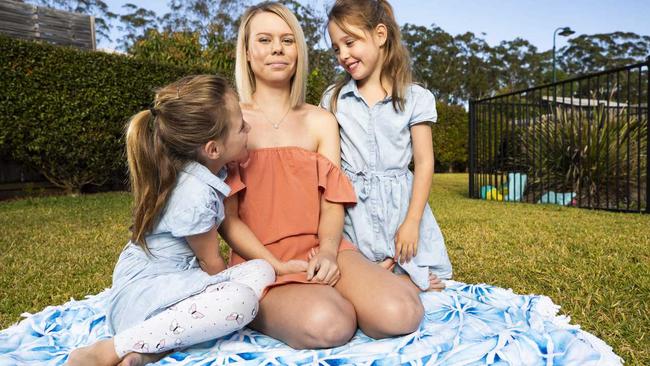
{"type": "Point", "coordinates": [291, 266]}
{"type": "Point", "coordinates": [406, 241]}
{"type": "Point", "coordinates": [323, 267]}
{"type": "Point", "coordinates": [435, 283]}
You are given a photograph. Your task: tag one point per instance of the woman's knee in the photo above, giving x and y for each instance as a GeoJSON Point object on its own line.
{"type": "Point", "coordinates": [328, 325]}
{"type": "Point", "coordinates": [398, 315]}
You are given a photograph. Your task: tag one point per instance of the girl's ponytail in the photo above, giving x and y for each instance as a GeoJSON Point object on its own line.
{"type": "Point", "coordinates": [145, 170]}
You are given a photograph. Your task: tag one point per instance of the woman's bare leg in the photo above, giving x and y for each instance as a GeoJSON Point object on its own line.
{"type": "Point", "coordinates": [306, 316]}
{"type": "Point", "coordinates": [435, 283]}
{"type": "Point", "coordinates": [385, 305]}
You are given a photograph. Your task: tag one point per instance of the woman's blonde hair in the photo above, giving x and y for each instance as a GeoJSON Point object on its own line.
{"type": "Point", "coordinates": [367, 14]}
{"type": "Point", "coordinates": [244, 74]}
{"type": "Point", "coordinates": [159, 141]}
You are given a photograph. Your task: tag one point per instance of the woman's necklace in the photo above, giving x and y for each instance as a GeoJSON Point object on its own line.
{"type": "Point", "coordinates": [275, 125]}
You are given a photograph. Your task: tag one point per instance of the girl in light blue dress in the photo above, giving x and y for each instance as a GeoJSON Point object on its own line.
{"type": "Point", "coordinates": [171, 287]}
{"type": "Point", "coordinates": [385, 122]}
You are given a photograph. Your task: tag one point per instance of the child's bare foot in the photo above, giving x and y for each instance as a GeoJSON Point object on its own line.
{"type": "Point", "coordinates": [141, 359]}
{"type": "Point", "coordinates": [435, 284]}
{"type": "Point", "coordinates": [387, 263]}
{"type": "Point", "coordinates": [101, 353]}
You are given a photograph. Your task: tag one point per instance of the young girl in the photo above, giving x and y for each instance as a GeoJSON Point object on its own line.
{"type": "Point", "coordinates": [384, 122]}
{"type": "Point", "coordinates": [170, 287]}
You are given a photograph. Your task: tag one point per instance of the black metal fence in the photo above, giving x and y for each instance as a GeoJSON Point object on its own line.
{"type": "Point", "coordinates": [580, 142]}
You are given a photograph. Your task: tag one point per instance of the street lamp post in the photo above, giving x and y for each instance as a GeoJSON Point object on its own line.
{"type": "Point", "coordinates": [565, 31]}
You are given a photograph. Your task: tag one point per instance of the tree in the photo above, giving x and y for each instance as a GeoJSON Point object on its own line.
{"type": "Point", "coordinates": [208, 17]}
{"type": "Point", "coordinates": [134, 24]}
{"type": "Point", "coordinates": [591, 53]}
{"type": "Point", "coordinates": [479, 77]}
{"type": "Point", "coordinates": [436, 60]}
{"type": "Point", "coordinates": [178, 48]}
{"type": "Point", "coordinates": [450, 138]}
{"type": "Point", "coordinates": [204, 32]}
{"type": "Point", "coordinates": [518, 65]}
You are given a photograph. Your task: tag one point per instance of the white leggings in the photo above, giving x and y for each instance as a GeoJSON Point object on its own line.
{"type": "Point", "coordinates": [219, 310]}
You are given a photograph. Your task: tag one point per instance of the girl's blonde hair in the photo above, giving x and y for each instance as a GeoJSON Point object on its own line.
{"type": "Point", "coordinates": [367, 14]}
{"type": "Point", "coordinates": [185, 115]}
{"type": "Point", "coordinates": [244, 74]}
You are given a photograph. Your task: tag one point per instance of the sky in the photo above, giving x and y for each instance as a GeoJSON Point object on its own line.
{"type": "Point", "coordinates": [533, 20]}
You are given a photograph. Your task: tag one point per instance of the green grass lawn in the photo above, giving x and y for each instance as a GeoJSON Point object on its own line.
{"type": "Point", "coordinates": [594, 264]}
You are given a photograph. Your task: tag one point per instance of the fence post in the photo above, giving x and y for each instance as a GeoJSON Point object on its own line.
{"type": "Point", "coordinates": [472, 148]}
{"type": "Point", "coordinates": [647, 130]}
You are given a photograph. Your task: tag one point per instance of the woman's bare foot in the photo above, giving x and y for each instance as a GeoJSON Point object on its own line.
{"type": "Point", "coordinates": [141, 359]}
{"type": "Point", "coordinates": [435, 284]}
{"type": "Point", "coordinates": [100, 353]}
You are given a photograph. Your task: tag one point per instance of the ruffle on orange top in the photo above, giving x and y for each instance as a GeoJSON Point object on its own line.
{"type": "Point", "coordinates": [279, 193]}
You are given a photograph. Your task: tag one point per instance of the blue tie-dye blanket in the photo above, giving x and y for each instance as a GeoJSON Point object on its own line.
{"type": "Point", "coordinates": [463, 325]}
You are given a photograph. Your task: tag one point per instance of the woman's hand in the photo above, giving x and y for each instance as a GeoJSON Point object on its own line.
{"type": "Point", "coordinates": [323, 267]}
{"type": "Point", "coordinates": [290, 266]}
{"type": "Point", "coordinates": [406, 241]}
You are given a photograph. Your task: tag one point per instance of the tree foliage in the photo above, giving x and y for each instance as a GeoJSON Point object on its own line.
{"type": "Point", "coordinates": [134, 24]}
{"type": "Point", "coordinates": [456, 68]}
{"type": "Point", "coordinates": [591, 53]}
{"type": "Point", "coordinates": [450, 138]}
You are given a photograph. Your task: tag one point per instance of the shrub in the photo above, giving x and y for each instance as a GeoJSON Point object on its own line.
{"type": "Point", "coordinates": [63, 110]}
{"type": "Point", "coordinates": [598, 153]}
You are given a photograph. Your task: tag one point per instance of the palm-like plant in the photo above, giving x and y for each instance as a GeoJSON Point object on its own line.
{"type": "Point", "coordinates": [597, 152]}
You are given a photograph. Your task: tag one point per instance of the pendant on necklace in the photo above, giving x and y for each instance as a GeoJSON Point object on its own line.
{"type": "Point", "coordinates": [276, 125]}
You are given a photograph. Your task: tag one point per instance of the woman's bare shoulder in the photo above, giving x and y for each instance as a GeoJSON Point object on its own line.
{"type": "Point", "coordinates": [317, 116]}
{"type": "Point", "coordinates": [323, 126]}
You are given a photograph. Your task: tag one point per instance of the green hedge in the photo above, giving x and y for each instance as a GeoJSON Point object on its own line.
{"type": "Point", "coordinates": [63, 110]}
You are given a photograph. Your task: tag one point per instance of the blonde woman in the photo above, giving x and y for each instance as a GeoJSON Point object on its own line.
{"type": "Point", "coordinates": [288, 199]}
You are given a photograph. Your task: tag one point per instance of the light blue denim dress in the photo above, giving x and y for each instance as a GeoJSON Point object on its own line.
{"type": "Point", "coordinates": [375, 153]}
{"type": "Point", "coordinates": [144, 285]}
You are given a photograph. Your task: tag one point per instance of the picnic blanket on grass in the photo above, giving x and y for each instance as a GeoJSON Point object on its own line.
{"type": "Point", "coordinates": [463, 325]}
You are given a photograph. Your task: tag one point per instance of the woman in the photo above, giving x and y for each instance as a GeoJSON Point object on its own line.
{"type": "Point", "coordinates": [288, 201]}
